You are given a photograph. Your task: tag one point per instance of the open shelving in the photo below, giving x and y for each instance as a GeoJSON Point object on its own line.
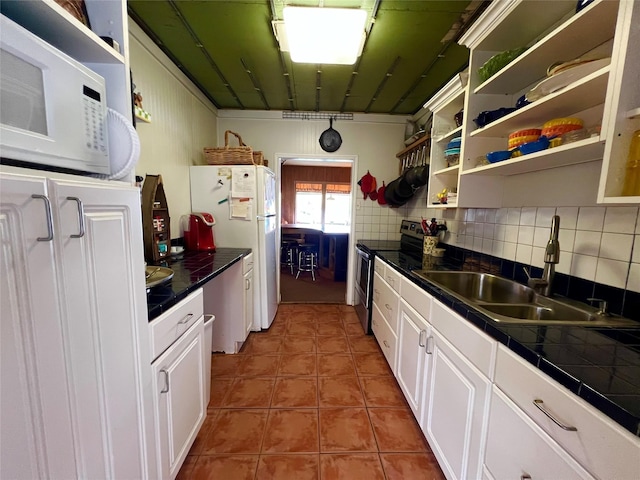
{"type": "Point", "coordinates": [607, 99]}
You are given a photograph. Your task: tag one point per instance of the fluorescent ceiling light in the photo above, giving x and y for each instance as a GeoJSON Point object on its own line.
{"type": "Point", "coordinates": [322, 35]}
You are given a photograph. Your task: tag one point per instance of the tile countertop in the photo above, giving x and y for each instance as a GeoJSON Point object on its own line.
{"type": "Point", "coordinates": [191, 271]}
{"type": "Point", "coordinates": [600, 365]}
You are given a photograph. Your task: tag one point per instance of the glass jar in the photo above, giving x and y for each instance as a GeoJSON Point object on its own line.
{"type": "Point", "coordinates": [631, 185]}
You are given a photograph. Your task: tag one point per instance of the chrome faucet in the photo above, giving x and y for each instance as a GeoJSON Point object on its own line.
{"type": "Point", "coordinates": [551, 258]}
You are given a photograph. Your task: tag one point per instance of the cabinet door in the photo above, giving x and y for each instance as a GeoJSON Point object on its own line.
{"type": "Point", "coordinates": [516, 446]}
{"type": "Point", "coordinates": [457, 400]}
{"type": "Point", "coordinates": [179, 386]}
{"type": "Point", "coordinates": [412, 359]}
{"type": "Point", "coordinates": [99, 243]}
{"type": "Point", "coordinates": [248, 303]}
{"type": "Point", "coordinates": [36, 433]}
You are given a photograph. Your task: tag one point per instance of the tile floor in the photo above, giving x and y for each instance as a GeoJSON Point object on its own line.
{"type": "Point", "coordinates": [311, 398]}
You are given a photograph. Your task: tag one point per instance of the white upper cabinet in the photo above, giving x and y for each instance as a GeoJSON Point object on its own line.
{"type": "Point", "coordinates": [106, 18]}
{"type": "Point", "coordinates": [604, 96]}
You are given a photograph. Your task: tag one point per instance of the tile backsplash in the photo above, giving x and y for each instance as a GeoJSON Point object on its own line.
{"type": "Point", "coordinates": [596, 243]}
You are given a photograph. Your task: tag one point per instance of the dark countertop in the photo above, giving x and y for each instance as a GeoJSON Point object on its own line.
{"type": "Point", "coordinates": [600, 365]}
{"type": "Point", "coordinates": [191, 271]}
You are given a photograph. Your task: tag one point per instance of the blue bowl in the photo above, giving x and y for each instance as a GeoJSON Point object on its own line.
{"type": "Point", "coordinates": [486, 117]}
{"type": "Point", "coordinates": [531, 147]}
{"type": "Point", "coordinates": [498, 156]}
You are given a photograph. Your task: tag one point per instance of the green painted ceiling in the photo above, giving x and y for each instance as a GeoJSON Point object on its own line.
{"type": "Point", "coordinates": [229, 50]}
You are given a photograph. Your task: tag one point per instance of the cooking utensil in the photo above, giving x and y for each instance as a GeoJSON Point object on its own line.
{"type": "Point", "coordinates": [330, 140]}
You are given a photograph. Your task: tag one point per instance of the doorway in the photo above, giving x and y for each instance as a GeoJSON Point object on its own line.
{"type": "Point", "coordinates": [316, 224]}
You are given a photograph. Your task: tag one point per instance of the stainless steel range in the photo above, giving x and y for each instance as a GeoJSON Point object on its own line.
{"type": "Point", "coordinates": [410, 244]}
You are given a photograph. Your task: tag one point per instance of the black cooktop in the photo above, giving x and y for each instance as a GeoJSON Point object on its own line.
{"type": "Point", "coordinates": [373, 246]}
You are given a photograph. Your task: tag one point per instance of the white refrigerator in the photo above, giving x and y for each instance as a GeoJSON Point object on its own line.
{"type": "Point", "coordinates": [242, 199]}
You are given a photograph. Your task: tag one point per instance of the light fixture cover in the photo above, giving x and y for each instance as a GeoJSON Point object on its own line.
{"type": "Point", "coordinates": [324, 35]}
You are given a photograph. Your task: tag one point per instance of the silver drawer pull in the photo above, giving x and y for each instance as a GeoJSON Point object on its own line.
{"type": "Point", "coordinates": [49, 217]}
{"type": "Point", "coordinates": [420, 340]}
{"type": "Point", "coordinates": [186, 319]}
{"type": "Point", "coordinates": [387, 306]}
{"type": "Point", "coordinates": [80, 217]}
{"type": "Point", "coordinates": [166, 381]}
{"type": "Point", "coordinates": [427, 349]}
{"type": "Point", "coordinates": [540, 406]}
{"type": "Point", "coordinates": [386, 344]}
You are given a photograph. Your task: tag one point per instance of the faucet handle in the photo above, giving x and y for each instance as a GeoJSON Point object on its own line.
{"type": "Point", "coordinates": [603, 306]}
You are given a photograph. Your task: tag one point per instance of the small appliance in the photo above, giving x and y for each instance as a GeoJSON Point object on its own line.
{"type": "Point", "coordinates": [198, 232]}
{"type": "Point", "coordinates": [53, 109]}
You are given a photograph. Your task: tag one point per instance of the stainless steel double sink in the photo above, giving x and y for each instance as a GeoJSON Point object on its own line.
{"type": "Point", "coordinates": [507, 301]}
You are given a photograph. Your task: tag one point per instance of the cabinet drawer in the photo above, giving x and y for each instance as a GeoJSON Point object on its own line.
{"type": "Point", "coordinates": [516, 446]}
{"type": "Point", "coordinates": [247, 263]}
{"type": "Point", "coordinates": [392, 277]}
{"type": "Point", "coordinates": [415, 296]}
{"type": "Point", "coordinates": [477, 346]}
{"type": "Point", "coordinates": [387, 301]}
{"type": "Point", "coordinates": [599, 444]}
{"type": "Point", "coordinates": [385, 336]}
{"type": "Point", "coordinates": [169, 326]}
{"type": "Point", "coordinates": [379, 266]}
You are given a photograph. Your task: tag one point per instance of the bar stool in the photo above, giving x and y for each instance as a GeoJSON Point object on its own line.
{"type": "Point", "coordinates": [307, 259]}
{"type": "Point", "coordinates": [288, 254]}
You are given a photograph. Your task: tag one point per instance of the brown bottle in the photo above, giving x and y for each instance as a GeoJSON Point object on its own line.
{"type": "Point", "coordinates": [631, 185]}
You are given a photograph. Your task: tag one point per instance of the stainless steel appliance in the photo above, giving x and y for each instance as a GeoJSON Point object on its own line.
{"type": "Point", "coordinates": [53, 109]}
{"type": "Point", "coordinates": [410, 244]}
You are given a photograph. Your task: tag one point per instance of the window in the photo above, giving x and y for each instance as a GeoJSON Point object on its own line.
{"type": "Point", "coordinates": [323, 203]}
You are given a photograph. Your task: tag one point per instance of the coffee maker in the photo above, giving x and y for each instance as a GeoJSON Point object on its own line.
{"type": "Point", "coordinates": [198, 231]}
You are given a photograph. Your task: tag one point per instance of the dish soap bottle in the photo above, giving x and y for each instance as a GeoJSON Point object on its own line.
{"type": "Point", "coordinates": [631, 185]}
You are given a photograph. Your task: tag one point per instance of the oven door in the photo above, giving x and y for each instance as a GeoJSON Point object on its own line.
{"type": "Point", "coordinates": [363, 288]}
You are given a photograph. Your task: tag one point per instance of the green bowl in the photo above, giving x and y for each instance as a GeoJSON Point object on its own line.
{"type": "Point", "coordinates": [498, 62]}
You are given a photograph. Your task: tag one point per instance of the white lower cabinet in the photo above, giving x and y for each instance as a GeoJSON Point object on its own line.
{"type": "Point", "coordinates": [385, 336]}
{"type": "Point", "coordinates": [247, 269]}
{"type": "Point", "coordinates": [179, 385]}
{"type": "Point", "coordinates": [75, 398]}
{"type": "Point", "coordinates": [226, 297]}
{"type": "Point", "coordinates": [599, 444]}
{"type": "Point", "coordinates": [413, 361]}
{"type": "Point", "coordinates": [457, 403]}
{"type": "Point", "coordinates": [518, 448]}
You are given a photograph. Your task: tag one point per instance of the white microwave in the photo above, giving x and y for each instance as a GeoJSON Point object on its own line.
{"type": "Point", "coordinates": [53, 110]}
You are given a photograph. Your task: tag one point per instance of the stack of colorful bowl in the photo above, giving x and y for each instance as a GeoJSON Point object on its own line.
{"type": "Point", "coordinates": [452, 152]}
{"type": "Point", "coordinates": [521, 137]}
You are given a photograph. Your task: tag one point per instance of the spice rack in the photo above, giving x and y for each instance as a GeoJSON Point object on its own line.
{"type": "Point", "coordinates": [155, 220]}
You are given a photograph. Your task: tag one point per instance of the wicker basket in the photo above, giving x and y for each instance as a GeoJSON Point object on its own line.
{"type": "Point", "coordinates": [240, 155]}
{"type": "Point", "coordinates": [258, 157]}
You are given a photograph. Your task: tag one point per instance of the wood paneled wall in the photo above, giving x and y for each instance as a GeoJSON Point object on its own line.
{"type": "Point", "coordinates": [292, 173]}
